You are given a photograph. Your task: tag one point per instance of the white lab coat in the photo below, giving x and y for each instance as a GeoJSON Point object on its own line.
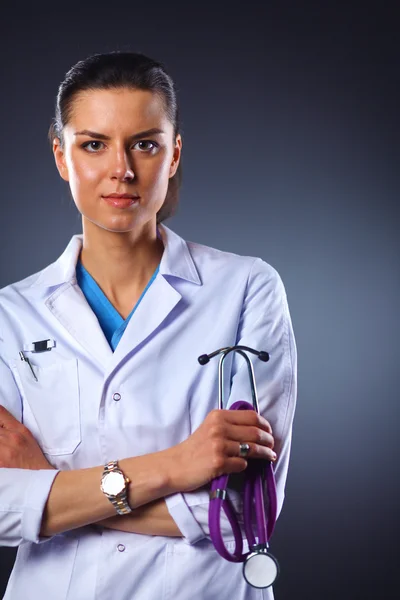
{"type": "Point", "coordinates": [202, 299]}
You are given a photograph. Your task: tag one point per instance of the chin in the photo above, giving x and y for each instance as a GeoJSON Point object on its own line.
{"type": "Point", "coordinates": [116, 225]}
{"type": "Point", "coordinates": [121, 228]}
{"type": "Point", "coordinates": [122, 223]}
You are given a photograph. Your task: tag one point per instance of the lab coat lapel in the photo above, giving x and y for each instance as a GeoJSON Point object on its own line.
{"type": "Point", "coordinates": [70, 308]}
{"type": "Point", "coordinates": [157, 305]}
{"type": "Point", "coordinates": [153, 311]}
{"type": "Point", "coordinates": [68, 304]}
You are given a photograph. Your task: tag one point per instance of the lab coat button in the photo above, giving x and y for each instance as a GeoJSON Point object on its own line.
{"type": "Point", "coordinates": [120, 547]}
{"type": "Point", "coordinates": [116, 396]}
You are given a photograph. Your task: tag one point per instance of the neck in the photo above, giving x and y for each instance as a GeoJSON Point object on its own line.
{"type": "Point", "coordinates": [121, 263]}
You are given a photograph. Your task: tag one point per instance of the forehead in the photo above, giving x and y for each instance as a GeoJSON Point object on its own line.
{"type": "Point", "coordinates": [118, 108]}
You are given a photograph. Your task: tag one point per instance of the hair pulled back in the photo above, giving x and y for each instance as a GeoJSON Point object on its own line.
{"type": "Point", "coordinates": [115, 70]}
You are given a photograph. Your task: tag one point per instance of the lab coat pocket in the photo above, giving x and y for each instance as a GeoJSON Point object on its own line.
{"type": "Point", "coordinates": [198, 571]}
{"type": "Point", "coordinates": [43, 570]}
{"type": "Point", "coordinates": [50, 397]}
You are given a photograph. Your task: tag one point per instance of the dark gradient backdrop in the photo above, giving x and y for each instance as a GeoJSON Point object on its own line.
{"type": "Point", "coordinates": [291, 153]}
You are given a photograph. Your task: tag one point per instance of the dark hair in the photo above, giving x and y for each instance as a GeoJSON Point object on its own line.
{"type": "Point", "coordinates": [121, 70]}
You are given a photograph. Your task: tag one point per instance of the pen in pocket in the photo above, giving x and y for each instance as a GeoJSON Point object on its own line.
{"type": "Point", "coordinates": [23, 357]}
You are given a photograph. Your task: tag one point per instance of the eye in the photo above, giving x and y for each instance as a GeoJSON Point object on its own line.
{"type": "Point", "coordinates": [144, 143]}
{"type": "Point", "coordinates": [91, 146]}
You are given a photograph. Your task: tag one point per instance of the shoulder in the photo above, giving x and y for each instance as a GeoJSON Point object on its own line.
{"type": "Point", "coordinates": [24, 299]}
{"type": "Point", "coordinates": [31, 288]}
{"type": "Point", "coordinates": [256, 271]}
{"type": "Point", "coordinates": [17, 305]}
{"type": "Point", "coordinates": [18, 289]}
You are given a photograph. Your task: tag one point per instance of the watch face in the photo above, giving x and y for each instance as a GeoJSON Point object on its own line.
{"type": "Point", "coordinates": [113, 483]}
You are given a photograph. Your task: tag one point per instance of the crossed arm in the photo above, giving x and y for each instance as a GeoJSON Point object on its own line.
{"type": "Point", "coordinates": [151, 519]}
{"type": "Point", "coordinates": [207, 453]}
{"type": "Point", "coordinates": [63, 511]}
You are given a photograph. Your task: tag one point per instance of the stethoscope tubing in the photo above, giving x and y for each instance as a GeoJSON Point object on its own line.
{"type": "Point", "coordinates": [259, 483]}
{"type": "Point", "coordinates": [258, 471]}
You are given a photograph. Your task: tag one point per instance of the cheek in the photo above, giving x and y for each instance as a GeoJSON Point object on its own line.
{"type": "Point", "coordinates": [83, 174]}
{"type": "Point", "coordinates": [157, 187]}
{"type": "Point", "coordinates": [86, 173]}
{"type": "Point", "coordinates": [158, 175]}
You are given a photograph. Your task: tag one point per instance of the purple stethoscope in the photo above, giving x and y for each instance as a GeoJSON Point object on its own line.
{"type": "Point", "coordinates": [260, 568]}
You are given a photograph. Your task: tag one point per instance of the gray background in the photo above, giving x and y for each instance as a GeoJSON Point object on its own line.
{"type": "Point", "coordinates": [291, 148]}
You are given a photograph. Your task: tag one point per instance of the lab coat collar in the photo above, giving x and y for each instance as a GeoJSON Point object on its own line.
{"type": "Point", "coordinates": [176, 261]}
{"type": "Point", "coordinates": [63, 297]}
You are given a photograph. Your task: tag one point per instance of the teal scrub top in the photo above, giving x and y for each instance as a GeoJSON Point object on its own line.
{"type": "Point", "coordinates": [111, 322]}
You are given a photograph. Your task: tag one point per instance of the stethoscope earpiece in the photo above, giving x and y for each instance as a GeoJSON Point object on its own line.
{"type": "Point", "coordinates": [264, 356]}
{"type": "Point", "coordinates": [203, 359]}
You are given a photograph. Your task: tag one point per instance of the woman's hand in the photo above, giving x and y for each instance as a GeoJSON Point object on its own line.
{"type": "Point", "coordinates": [18, 447]}
{"type": "Point", "coordinates": [213, 449]}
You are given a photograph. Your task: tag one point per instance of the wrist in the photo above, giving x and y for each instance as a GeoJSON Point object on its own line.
{"type": "Point", "coordinates": [114, 484]}
{"type": "Point", "coordinates": [151, 477]}
{"type": "Point", "coordinates": [173, 470]}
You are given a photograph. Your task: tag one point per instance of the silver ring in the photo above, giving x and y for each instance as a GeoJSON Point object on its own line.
{"type": "Point", "coordinates": [244, 449]}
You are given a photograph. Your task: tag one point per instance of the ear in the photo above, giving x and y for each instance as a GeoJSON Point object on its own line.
{"type": "Point", "coordinates": [59, 157]}
{"type": "Point", "coordinates": [176, 156]}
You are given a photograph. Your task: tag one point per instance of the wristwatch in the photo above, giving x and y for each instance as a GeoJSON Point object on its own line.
{"type": "Point", "coordinates": [114, 484]}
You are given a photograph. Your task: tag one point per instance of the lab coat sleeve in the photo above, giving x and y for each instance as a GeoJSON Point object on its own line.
{"type": "Point", "coordinates": [265, 324]}
{"type": "Point", "coordinates": [23, 492]}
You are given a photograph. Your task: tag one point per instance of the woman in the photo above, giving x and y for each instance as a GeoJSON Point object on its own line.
{"type": "Point", "coordinates": [109, 437]}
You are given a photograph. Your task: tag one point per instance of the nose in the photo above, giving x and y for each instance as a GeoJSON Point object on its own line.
{"type": "Point", "coordinates": [122, 168]}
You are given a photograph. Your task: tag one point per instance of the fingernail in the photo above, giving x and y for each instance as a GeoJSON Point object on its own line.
{"type": "Point", "coordinates": [274, 456]}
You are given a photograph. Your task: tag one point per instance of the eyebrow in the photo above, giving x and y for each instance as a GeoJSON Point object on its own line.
{"type": "Point", "coordinates": [136, 136]}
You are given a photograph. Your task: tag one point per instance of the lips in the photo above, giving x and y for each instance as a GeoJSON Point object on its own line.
{"type": "Point", "coordinates": [120, 196]}
{"type": "Point", "coordinates": [121, 201]}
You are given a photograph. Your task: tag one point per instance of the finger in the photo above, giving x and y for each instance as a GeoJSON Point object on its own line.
{"type": "Point", "coordinates": [235, 465]}
{"type": "Point", "coordinates": [7, 420]}
{"type": "Point", "coordinates": [246, 417]}
{"type": "Point", "coordinates": [250, 433]}
{"type": "Point", "coordinates": [255, 451]}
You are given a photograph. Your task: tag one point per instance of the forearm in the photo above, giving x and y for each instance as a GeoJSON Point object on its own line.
{"type": "Point", "coordinates": [76, 500]}
{"type": "Point", "coordinates": [150, 519]}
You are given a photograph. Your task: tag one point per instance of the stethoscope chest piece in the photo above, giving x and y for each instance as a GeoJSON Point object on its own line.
{"type": "Point", "coordinates": [260, 569]}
